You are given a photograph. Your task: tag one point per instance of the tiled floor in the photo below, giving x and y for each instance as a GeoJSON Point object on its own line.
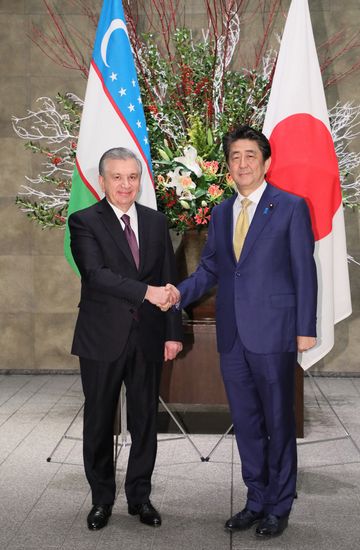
{"type": "Point", "coordinates": [43, 505]}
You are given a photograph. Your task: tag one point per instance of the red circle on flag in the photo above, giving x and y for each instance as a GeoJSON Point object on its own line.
{"type": "Point", "coordinates": [303, 161]}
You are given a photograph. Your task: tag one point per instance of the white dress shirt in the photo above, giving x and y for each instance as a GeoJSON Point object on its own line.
{"type": "Point", "coordinates": [132, 213]}
{"type": "Point", "coordinates": [254, 197]}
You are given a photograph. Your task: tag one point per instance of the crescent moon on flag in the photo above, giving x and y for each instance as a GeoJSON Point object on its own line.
{"type": "Point", "coordinates": [114, 25]}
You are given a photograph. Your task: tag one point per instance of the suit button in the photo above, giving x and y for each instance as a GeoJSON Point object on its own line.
{"type": "Point", "coordinates": [238, 274]}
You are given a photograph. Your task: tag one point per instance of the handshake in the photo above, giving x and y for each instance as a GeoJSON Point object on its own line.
{"type": "Point", "coordinates": [163, 297]}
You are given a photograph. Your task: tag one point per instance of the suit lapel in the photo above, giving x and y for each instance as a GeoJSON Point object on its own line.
{"type": "Point", "coordinates": [143, 230]}
{"type": "Point", "coordinates": [263, 213]}
{"type": "Point", "coordinates": [228, 225]}
{"type": "Point", "coordinates": [113, 226]}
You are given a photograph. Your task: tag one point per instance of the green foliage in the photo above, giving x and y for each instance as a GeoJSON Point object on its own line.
{"type": "Point", "coordinates": [187, 102]}
{"type": "Point", "coordinates": [179, 92]}
{"type": "Point", "coordinates": [40, 213]}
{"type": "Point", "coordinates": [202, 139]}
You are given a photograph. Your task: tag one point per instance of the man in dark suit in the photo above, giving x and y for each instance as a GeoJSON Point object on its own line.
{"type": "Point", "coordinates": [125, 257]}
{"type": "Point", "coordinates": [259, 252]}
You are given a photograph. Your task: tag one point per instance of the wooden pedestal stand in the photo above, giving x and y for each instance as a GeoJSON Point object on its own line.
{"type": "Point", "coordinates": [194, 377]}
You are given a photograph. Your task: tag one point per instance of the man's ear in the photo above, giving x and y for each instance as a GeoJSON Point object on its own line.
{"type": "Point", "coordinates": [267, 164]}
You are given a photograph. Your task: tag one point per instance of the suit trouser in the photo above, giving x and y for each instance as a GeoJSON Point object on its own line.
{"type": "Point", "coordinates": [261, 392]}
{"type": "Point", "coordinates": [101, 385]}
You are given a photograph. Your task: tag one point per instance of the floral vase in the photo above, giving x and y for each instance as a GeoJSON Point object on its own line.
{"type": "Point", "coordinates": [188, 251]}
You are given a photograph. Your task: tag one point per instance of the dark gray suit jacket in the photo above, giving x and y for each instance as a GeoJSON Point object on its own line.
{"type": "Point", "coordinates": [113, 290]}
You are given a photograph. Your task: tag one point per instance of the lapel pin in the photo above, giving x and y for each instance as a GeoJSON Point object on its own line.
{"type": "Point", "coordinates": [268, 208]}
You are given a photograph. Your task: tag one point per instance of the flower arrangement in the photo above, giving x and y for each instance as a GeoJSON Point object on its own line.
{"type": "Point", "coordinates": [187, 187]}
{"type": "Point", "coordinates": [192, 99]}
{"type": "Point", "coordinates": [192, 94]}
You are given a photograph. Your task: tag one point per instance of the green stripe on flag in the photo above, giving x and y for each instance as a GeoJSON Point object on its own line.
{"type": "Point", "coordinates": [81, 197]}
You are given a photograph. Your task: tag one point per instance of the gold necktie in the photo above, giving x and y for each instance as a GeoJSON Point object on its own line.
{"type": "Point", "coordinates": [241, 228]}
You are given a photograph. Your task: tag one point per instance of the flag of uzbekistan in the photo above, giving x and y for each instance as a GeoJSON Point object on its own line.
{"type": "Point", "coordinates": [112, 116]}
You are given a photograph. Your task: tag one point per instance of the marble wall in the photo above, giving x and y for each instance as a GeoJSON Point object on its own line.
{"type": "Point", "coordinates": [38, 291]}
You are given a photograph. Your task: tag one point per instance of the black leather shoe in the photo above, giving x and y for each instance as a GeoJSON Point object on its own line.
{"type": "Point", "coordinates": [99, 516]}
{"type": "Point", "coordinates": [147, 513]}
{"type": "Point", "coordinates": [271, 526]}
{"type": "Point", "coordinates": [243, 520]}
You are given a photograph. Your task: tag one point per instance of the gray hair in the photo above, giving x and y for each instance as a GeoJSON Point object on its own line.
{"type": "Point", "coordinates": [120, 153]}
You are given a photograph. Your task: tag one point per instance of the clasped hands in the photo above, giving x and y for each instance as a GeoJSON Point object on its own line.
{"type": "Point", "coordinates": [163, 297]}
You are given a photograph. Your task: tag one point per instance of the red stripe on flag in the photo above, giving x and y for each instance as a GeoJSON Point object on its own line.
{"type": "Point", "coordinates": [124, 121]}
{"type": "Point", "coordinates": [86, 182]}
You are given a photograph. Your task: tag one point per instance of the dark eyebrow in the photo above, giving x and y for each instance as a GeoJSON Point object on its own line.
{"type": "Point", "coordinates": [246, 151]}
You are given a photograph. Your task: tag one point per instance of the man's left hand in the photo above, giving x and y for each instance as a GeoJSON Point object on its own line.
{"type": "Point", "coordinates": [171, 350]}
{"type": "Point", "coordinates": [305, 342]}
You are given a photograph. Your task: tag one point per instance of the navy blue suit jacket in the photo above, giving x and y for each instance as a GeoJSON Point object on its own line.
{"type": "Point", "coordinates": [268, 297]}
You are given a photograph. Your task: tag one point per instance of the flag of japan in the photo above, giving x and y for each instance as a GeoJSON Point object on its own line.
{"type": "Point", "coordinates": [304, 163]}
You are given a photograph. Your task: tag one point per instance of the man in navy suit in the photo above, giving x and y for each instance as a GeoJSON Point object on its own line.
{"type": "Point", "coordinates": [125, 257]}
{"type": "Point", "coordinates": [265, 313]}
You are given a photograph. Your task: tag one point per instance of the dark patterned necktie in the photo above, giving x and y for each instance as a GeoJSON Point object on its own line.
{"type": "Point", "coordinates": [131, 239]}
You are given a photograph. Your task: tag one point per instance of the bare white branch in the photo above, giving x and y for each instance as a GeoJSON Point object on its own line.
{"type": "Point", "coordinates": [45, 123]}
{"type": "Point", "coordinates": [56, 200]}
{"type": "Point", "coordinates": [223, 58]}
{"type": "Point", "coordinates": [345, 127]}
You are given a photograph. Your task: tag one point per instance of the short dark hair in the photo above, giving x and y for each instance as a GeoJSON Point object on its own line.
{"type": "Point", "coordinates": [246, 132]}
{"type": "Point", "coordinates": [121, 153]}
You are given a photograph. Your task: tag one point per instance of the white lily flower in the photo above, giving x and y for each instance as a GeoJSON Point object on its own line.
{"type": "Point", "coordinates": [187, 195]}
{"type": "Point", "coordinates": [181, 182]}
{"type": "Point", "coordinates": [175, 180]}
{"type": "Point", "coordinates": [189, 160]}
{"type": "Point", "coordinates": [174, 177]}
